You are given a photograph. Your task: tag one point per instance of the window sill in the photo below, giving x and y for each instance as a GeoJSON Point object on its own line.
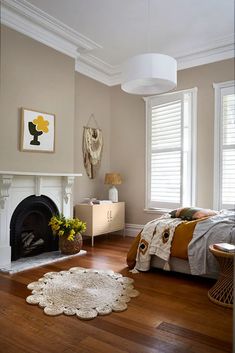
{"type": "Point", "coordinates": [160, 211]}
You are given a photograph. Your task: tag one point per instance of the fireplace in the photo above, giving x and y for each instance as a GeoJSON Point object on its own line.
{"type": "Point", "coordinates": [29, 231]}
{"type": "Point", "coordinates": [27, 202]}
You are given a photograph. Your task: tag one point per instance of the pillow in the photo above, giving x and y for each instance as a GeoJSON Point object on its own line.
{"type": "Point", "coordinates": [192, 213]}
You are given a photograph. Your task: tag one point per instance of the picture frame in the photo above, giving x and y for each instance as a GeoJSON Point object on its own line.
{"type": "Point", "coordinates": [37, 131]}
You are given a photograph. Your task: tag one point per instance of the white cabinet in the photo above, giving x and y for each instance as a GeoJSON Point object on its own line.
{"type": "Point", "coordinates": [102, 218]}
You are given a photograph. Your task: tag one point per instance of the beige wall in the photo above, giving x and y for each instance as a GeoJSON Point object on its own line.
{"type": "Point", "coordinates": [127, 148]}
{"type": "Point", "coordinates": [37, 77]}
{"type": "Point", "coordinates": [127, 135]}
{"type": "Point", "coordinates": [92, 97]}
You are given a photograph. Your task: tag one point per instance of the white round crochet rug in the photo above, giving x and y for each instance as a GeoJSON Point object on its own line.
{"type": "Point", "coordinates": [82, 292]}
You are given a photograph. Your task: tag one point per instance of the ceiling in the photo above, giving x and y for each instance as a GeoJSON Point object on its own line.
{"type": "Point", "coordinates": [189, 30]}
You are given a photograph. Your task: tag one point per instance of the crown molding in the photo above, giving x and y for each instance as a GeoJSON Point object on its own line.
{"type": "Point", "coordinates": [211, 56]}
{"type": "Point", "coordinates": [35, 23]}
{"type": "Point", "coordinates": [220, 49]}
{"type": "Point", "coordinates": [91, 66]}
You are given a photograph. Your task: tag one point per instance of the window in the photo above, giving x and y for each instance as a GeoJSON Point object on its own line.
{"type": "Point", "coordinates": [171, 146]}
{"type": "Point", "coordinates": [224, 142]}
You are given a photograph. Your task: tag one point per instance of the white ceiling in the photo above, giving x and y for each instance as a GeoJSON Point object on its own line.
{"type": "Point", "coordinates": [119, 29]}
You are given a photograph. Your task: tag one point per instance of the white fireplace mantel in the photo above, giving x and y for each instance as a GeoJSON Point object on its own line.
{"type": "Point", "coordinates": [16, 186]}
{"type": "Point", "coordinates": [39, 174]}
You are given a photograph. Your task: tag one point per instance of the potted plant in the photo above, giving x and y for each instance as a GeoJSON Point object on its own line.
{"type": "Point", "coordinates": [69, 231]}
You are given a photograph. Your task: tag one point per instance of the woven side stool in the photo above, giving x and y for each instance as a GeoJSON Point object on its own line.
{"type": "Point", "coordinates": [222, 291]}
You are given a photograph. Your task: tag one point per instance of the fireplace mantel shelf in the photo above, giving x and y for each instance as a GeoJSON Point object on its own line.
{"type": "Point", "coordinates": [40, 174]}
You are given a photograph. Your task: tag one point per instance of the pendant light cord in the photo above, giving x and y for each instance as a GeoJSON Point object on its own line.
{"type": "Point", "coordinates": [148, 27]}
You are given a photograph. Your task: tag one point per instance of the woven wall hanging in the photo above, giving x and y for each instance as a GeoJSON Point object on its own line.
{"type": "Point", "coordinates": [92, 147]}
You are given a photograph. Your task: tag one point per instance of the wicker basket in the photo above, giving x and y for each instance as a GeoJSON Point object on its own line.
{"type": "Point", "coordinates": [69, 247]}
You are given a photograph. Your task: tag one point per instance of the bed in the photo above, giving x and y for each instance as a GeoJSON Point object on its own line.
{"type": "Point", "coordinates": [179, 241]}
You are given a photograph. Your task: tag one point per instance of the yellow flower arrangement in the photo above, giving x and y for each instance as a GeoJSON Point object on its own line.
{"type": "Point", "coordinates": [66, 227]}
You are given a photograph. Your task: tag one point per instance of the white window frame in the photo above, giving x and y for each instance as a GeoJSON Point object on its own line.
{"type": "Point", "coordinates": [193, 166]}
{"type": "Point", "coordinates": [219, 89]}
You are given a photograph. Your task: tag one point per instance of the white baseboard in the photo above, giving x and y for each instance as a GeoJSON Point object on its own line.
{"type": "Point", "coordinates": [132, 230]}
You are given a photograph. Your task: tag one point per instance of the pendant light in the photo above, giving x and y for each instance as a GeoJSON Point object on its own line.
{"type": "Point", "coordinates": [149, 73]}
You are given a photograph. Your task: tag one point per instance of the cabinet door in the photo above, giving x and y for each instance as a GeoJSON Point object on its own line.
{"type": "Point", "coordinates": [101, 219]}
{"type": "Point", "coordinates": [117, 216]}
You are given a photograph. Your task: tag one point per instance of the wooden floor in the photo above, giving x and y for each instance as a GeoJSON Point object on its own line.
{"type": "Point", "coordinates": [171, 314]}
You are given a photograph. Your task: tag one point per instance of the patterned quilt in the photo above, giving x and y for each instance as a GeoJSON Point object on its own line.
{"type": "Point", "coordinates": [166, 236]}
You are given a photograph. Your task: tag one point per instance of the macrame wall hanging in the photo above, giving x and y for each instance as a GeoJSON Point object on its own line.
{"type": "Point", "coordinates": [92, 147]}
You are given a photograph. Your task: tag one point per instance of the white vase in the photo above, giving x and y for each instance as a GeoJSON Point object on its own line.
{"type": "Point", "coordinates": [113, 194]}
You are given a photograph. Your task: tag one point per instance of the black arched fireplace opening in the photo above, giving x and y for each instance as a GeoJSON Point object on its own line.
{"type": "Point", "coordinates": [30, 234]}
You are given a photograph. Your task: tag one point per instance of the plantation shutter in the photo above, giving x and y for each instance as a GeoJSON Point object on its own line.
{"type": "Point", "coordinates": [228, 147]}
{"type": "Point", "coordinates": [166, 152]}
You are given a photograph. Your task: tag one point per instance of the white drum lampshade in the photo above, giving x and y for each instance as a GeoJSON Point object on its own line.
{"type": "Point", "coordinates": [149, 73]}
{"type": "Point", "coordinates": [113, 179]}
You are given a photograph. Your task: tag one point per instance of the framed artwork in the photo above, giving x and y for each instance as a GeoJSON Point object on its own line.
{"type": "Point", "coordinates": [37, 131]}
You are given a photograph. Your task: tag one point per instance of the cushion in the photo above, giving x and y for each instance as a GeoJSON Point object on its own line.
{"type": "Point", "coordinates": [192, 213]}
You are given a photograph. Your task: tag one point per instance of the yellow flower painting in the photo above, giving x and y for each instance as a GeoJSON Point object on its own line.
{"type": "Point", "coordinates": [38, 131]}
{"type": "Point", "coordinates": [41, 124]}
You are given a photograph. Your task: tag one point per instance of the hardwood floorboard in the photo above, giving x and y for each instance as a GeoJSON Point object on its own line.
{"type": "Point", "coordinates": [171, 314]}
{"type": "Point", "coordinates": [195, 336]}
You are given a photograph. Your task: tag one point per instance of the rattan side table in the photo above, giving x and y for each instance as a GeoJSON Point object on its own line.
{"type": "Point", "coordinates": [222, 291]}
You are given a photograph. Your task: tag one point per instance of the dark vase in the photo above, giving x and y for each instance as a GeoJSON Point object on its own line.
{"type": "Point", "coordinates": [70, 247]}
{"type": "Point", "coordinates": [35, 133]}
